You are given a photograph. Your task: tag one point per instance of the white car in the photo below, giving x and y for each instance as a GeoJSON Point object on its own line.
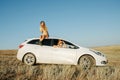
{"type": "Point", "coordinates": [32, 51]}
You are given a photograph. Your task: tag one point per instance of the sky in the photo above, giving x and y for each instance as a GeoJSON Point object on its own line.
{"type": "Point", "coordinates": [88, 23]}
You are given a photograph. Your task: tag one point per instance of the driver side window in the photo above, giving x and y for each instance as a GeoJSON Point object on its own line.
{"type": "Point", "coordinates": [65, 44]}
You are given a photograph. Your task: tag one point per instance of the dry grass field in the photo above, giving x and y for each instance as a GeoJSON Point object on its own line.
{"type": "Point", "coordinates": [12, 69]}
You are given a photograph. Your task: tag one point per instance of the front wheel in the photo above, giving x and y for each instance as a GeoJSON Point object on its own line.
{"type": "Point", "coordinates": [86, 62]}
{"type": "Point", "coordinates": [29, 59]}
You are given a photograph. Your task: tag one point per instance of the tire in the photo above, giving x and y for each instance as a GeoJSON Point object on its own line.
{"type": "Point", "coordinates": [29, 59]}
{"type": "Point", "coordinates": [86, 62]}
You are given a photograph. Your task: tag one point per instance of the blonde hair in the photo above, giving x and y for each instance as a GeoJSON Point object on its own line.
{"type": "Point", "coordinates": [45, 28]}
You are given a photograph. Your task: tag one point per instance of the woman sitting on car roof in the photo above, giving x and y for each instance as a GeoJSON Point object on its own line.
{"type": "Point", "coordinates": [44, 31]}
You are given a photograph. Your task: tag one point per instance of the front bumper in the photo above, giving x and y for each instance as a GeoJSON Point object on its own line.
{"type": "Point", "coordinates": [101, 61]}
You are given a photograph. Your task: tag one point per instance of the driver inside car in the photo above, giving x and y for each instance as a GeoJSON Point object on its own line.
{"type": "Point", "coordinates": [60, 44]}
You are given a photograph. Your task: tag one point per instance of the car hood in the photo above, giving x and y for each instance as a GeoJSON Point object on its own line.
{"type": "Point", "coordinates": [83, 48]}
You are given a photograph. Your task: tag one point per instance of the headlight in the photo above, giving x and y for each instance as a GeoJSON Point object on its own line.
{"type": "Point", "coordinates": [98, 53]}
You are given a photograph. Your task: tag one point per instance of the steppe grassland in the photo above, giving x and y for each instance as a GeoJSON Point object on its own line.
{"type": "Point", "coordinates": [13, 69]}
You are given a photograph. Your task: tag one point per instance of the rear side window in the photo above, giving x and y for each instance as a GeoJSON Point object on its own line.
{"type": "Point", "coordinates": [34, 42]}
{"type": "Point", "coordinates": [46, 42]}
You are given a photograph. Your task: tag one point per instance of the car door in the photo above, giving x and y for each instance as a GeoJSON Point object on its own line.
{"type": "Point", "coordinates": [64, 55]}
{"type": "Point", "coordinates": [44, 51]}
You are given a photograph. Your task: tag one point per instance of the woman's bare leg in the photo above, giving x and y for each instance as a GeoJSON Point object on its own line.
{"type": "Point", "coordinates": [41, 38]}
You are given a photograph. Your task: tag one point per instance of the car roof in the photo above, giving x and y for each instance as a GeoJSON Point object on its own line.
{"type": "Point", "coordinates": [48, 38]}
